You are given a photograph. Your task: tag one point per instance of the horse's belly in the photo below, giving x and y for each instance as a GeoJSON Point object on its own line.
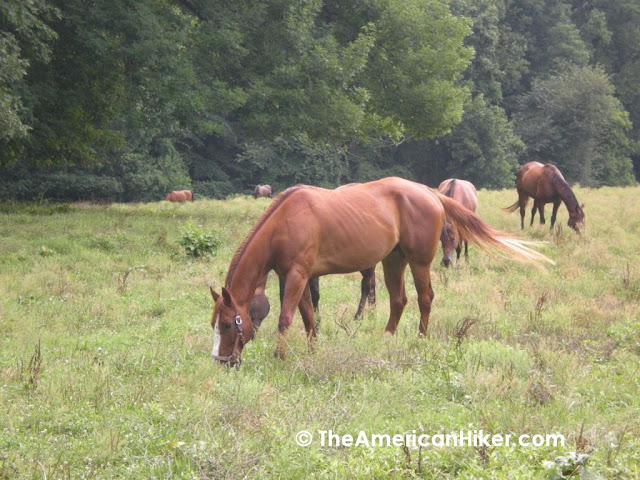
{"type": "Point", "coordinates": [346, 264]}
{"type": "Point", "coordinates": [353, 254]}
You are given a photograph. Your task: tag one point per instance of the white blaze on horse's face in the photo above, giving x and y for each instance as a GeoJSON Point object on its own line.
{"type": "Point", "coordinates": [216, 338]}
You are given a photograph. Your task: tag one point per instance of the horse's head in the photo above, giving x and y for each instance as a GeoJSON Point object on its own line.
{"type": "Point", "coordinates": [576, 218]}
{"type": "Point", "coordinates": [232, 328]}
{"type": "Point", "coordinates": [449, 240]}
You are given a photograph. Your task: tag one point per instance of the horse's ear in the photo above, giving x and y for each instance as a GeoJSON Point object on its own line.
{"type": "Point", "coordinates": [214, 294]}
{"type": "Point", "coordinates": [226, 296]}
{"type": "Point", "coordinates": [582, 206]}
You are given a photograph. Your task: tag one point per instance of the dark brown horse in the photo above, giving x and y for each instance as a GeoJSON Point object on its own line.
{"type": "Point", "coordinates": [179, 196]}
{"type": "Point", "coordinates": [367, 290]}
{"type": "Point", "coordinates": [545, 184]}
{"type": "Point", "coordinates": [463, 192]}
{"type": "Point", "coordinates": [310, 231]}
{"type": "Point", "coordinates": [260, 306]}
{"type": "Point", "coordinates": [262, 191]}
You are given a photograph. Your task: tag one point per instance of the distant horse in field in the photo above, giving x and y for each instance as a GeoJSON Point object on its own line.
{"type": "Point", "coordinates": [463, 192]}
{"type": "Point", "coordinates": [310, 231]}
{"type": "Point", "coordinates": [179, 196]}
{"type": "Point", "coordinates": [545, 184]}
{"type": "Point", "coordinates": [262, 191]}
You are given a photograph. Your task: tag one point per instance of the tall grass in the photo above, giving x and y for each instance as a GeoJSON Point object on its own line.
{"type": "Point", "coordinates": [105, 341]}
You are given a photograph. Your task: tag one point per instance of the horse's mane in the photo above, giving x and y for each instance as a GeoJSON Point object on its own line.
{"type": "Point", "coordinates": [261, 221]}
{"type": "Point", "coordinates": [450, 188]}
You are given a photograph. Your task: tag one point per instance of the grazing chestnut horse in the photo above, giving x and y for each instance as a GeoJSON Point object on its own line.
{"type": "Point", "coordinates": [310, 231]}
{"type": "Point", "coordinates": [262, 191]}
{"type": "Point", "coordinates": [545, 184]}
{"type": "Point", "coordinates": [179, 196]}
{"type": "Point", "coordinates": [463, 192]}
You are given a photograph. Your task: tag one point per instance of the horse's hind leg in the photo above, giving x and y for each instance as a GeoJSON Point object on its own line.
{"type": "Point", "coordinates": [523, 198]}
{"type": "Point", "coordinates": [394, 266]}
{"type": "Point", "coordinates": [371, 282]}
{"type": "Point", "coordinates": [541, 211]}
{"type": "Point", "coordinates": [422, 279]}
{"type": "Point", "coordinates": [533, 212]}
{"type": "Point", "coordinates": [367, 289]}
{"type": "Point", "coordinates": [314, 287]}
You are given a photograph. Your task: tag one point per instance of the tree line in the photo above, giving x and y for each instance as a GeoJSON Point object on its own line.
{"type": "Point", "coordinates": [124, 100]}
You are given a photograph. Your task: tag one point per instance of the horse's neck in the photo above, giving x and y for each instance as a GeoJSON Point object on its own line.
{"type": "Point", "coordinates": [566, 194]}
{"type": "Point", "coordinates": [251, 271]}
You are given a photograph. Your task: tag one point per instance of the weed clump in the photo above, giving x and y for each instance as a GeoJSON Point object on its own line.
{"type": "Point", "coordinates": [198, 243]}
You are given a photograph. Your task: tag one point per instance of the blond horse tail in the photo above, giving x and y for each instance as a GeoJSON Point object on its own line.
{"type": "Point", "coordinates": [488, 238]}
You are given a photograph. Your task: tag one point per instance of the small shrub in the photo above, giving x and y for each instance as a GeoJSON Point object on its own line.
{"type": "Point", "coordinates": [197, 243]}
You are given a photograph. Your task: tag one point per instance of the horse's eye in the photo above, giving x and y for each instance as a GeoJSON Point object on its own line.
{"type": "Point", "coordinates": [224, 326]}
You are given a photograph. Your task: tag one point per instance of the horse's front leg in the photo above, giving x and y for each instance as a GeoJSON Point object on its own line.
{"type": "Point", "coordinates": [294, 287]}
{"type": "Point", "coordinates": [554, 213]}
{"type": "Point", "coordinates": [307, 311]}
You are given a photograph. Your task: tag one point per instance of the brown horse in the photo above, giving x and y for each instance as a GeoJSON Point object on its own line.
{"type": "Point", "coordinates": [367, 290]}
{"type": "Point", "coordinates": [463, 192]}
{"type": "Point", "coordinates": [262, 191]}
{"type": "Point", "coordinates": [545, 184]}
{"type": "Point", "coordinates": [179, 196]}
{"type": "Point", "coordinates": [260, 306]}
{"type": "Point", "coordinates": [310, 231]}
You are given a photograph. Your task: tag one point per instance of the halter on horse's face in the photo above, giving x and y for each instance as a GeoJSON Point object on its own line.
{"type": "Point", "coordinates": [232, 328]}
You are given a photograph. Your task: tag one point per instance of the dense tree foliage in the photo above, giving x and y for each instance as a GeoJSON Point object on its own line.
{"type": "Point", "coordinates": [573, 120]}
{"type": "Point", "coordinates": [125, 100]}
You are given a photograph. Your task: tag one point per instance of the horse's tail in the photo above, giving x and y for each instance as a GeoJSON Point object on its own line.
{"type": "Point", "coordinates": [515, 206]}
{"type": "Point", "coordinates": [475, 230]}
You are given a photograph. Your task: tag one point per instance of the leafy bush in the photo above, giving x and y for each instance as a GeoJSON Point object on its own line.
{"type": "Point", "coordinates": [69, 185]}
{"type": "Point", "coordinates": [148, 178]}
{"type": "Point", "coordinates": [197, 243]}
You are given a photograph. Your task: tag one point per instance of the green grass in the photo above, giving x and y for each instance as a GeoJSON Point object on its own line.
{"type": "Point", "coordinates": [105, 340]}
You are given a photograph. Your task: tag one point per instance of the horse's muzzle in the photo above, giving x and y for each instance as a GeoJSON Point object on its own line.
{"type": "Point", "coordinates": [232, 360]}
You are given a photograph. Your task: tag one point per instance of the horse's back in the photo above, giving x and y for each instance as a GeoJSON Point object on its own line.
{"type": "Point", "coordinates": [538, 180]}
{"type": "Point", "coordinates": [528, 178]}
{"type": "Point", "coordinates": [462, 191]}
{"type": "Point", "coordinates": [348, 227]}
{"type": "Point", "coordinates": [176, 196]}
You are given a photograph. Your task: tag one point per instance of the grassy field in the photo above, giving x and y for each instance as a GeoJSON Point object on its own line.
{"type": "Point", "coordinates": [105, 341]}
